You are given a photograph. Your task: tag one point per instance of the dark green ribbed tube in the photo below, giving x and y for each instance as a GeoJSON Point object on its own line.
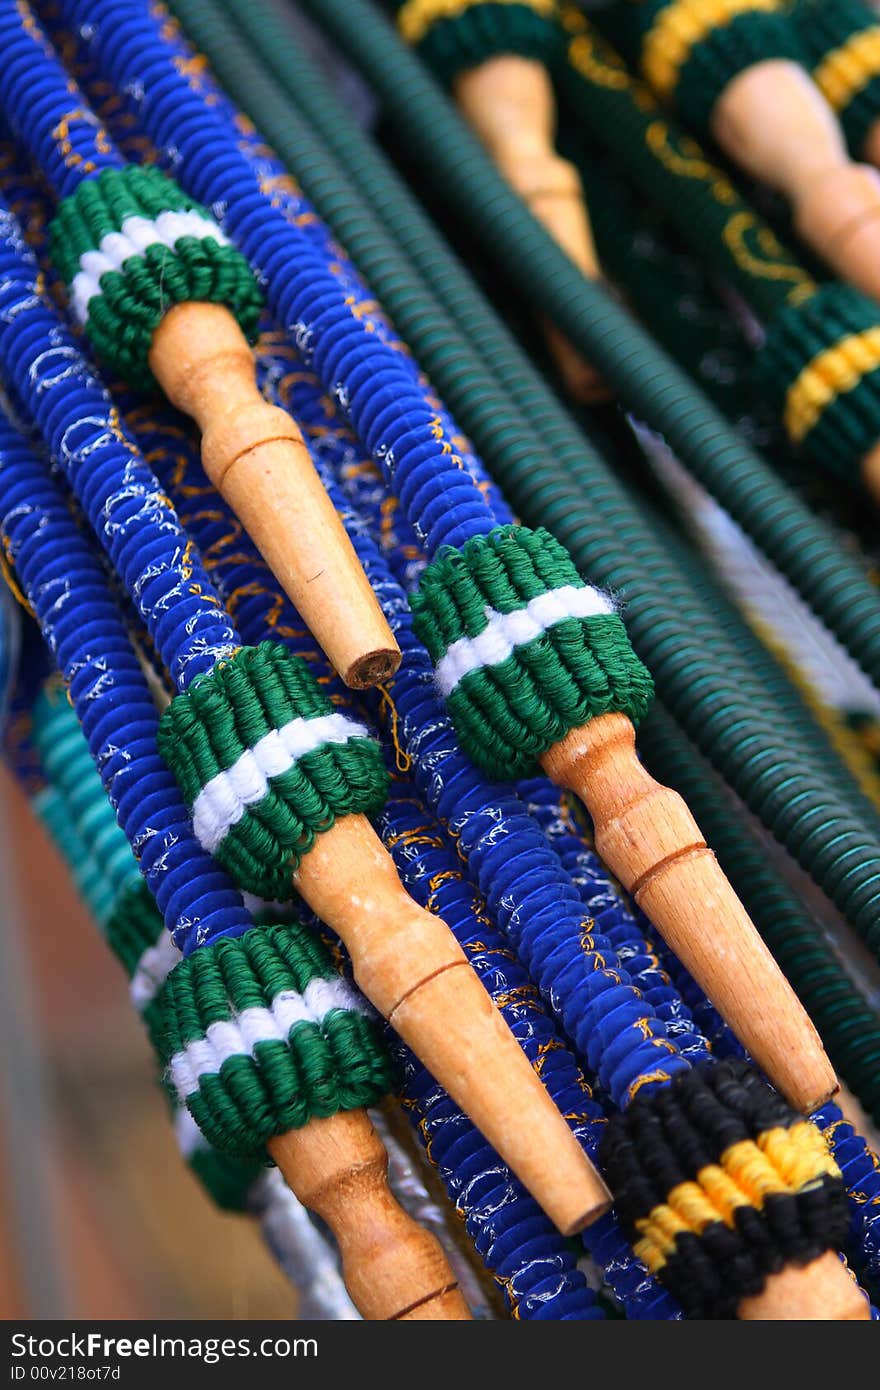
{"type": "Point", "coordinates": [451, 363]}
{"type": "Point", "coordinates": [675, 637]}
{"type": "Point", "coordinates": [849, 1027]}
{"type": "Point", "coordinates": [647, 381]}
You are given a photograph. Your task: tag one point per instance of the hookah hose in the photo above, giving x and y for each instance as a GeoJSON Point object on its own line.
{"type": "Point", "coordinates": [624, 1141]}
{"type": "Point", "coordinates": [688, 677]}
{"type": "Point", "coordinates": [648, 382]}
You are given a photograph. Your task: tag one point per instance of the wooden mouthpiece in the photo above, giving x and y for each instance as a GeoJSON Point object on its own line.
{"type": "Point", "coordinates": [822, 1291]}
{"type": "Point", "coordinates": [408, 963]}
{"type": "Point", "coordinates": [256, 457]}
{"type": "Point", "coordinates": [510, 103]}
{"type": "Point", "coordinates": [392, 1267]}
{"type": "Point", "coordinates": [774, 122]}
{"type": "Point", "coordinates": [649, 839]}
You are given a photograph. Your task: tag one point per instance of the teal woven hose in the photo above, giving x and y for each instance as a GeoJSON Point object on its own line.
{"type": "Point", "coordinates": [647, 381]}
{"type": "Point", "coordinates": [611, 544]}
{"type": "Point", "coordinates": [849, 1026]}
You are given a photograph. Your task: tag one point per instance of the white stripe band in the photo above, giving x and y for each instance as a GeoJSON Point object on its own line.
{"type": "Point", "coordinates": [224, 799]}
{"type": "Point", "coordinates": [152, 970]}
{"type": "Point", "coordinates": [239, 1036]}
{"type": "Point", "coordinates": [190, 1139]}
{"type": "Point", "coordinates": [506, 631]}
{"type": "Point", "coordinates": [136, 234]}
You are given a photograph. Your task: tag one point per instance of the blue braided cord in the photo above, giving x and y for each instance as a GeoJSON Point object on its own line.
{"type": "Point", "coordinates": [287, 199]}
{"type": "Point", "coordinates": [10, 640]}
{"type": "Point", "coordinates": [33, 667]}
{"type": "Point", "coordinates": [53, 385]}
{"type": "Point", "coordinates": [527, 891]}
{"type": "Point", "coordinates": [261, 613]}
{"type": "Point", "coordinates": [264, 614]}
{"type": "Point", "coordinates": [67, 588]}
{"type": "Point", "coordinates": [370, 380]}
{"type": "Point", "coordinates": [610, 910]}
{"type": "Point", "coordinates": [861, 1173]}
{"type": "Point", "coordinates": [43, 107]}
{"type": "Point", "coordinates": [429, 767]}
{"type": "Point", "coordinates": [534, 1265]}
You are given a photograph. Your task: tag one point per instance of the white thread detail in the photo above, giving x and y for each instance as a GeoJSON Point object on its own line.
{"type": "Point", "coordinates": [135, 235]}
{"type": "Point", "coordinates": [152, 970]}
{"type": "Point", "coordinates": [504, 632]}
{"type": "Point", "coordinates": [190, 1139]}
{"type": "Point", "coordinates": [239, 1036]}
{"type": "Point", "coordinates": [223, 800]}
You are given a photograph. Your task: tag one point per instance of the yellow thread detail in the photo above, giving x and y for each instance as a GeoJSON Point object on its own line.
{"type": "Point", "coordinates": [844, 71]}
{"type": "Point", "coordinates": [415, 18]}
{"type": "Point", "coordinates": [764, 266]}
{"type": "Point", "coordinates": [830, 374]}
{"type": "Point", "coordinates": [680, 27]}
{"type": "Point", "coordinates": [779, 1161]}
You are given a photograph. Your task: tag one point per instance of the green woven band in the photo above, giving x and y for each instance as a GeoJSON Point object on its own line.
{"type": "Point", "coordinates": [524, 650]}
{"type": "Point", "coordinates": [822, 360]}
{"type": "Point", "coordinates": [842, 41]}
{"type": "Point", "coordinates": [129, 245]}
{"type": "Point", "coordinates": [700, 71]}
{"type": "Point", "coordinates": [474, 32]}
{"type": "Point", "coordinates": [261, 1035]}
{"type": "Point", "coordinates": [265, 764]}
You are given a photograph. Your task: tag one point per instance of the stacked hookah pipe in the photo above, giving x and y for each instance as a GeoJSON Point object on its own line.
{"type": "Point", "coordinates": [273, 46]}
{"type": "Point", "coordinates": [739, 73]}
{"type": "Point", "coordinates": [533, 1283]}
{"type": "Point", "coordinates": [555, 1257]}
{"type": "Point", "coordinates": [433, 597]}
{"type": "Point", "coordinates": [497, 60]}
{"type": "Point", "coordinates": [73, 806]}
{"type": "Point", "coordinates": [273, 42]}
{"type": "Point", "coordinates": [578, 1192]}
{"type": "Point", "coordinates": [322, 1020]}
{"type": "Point", "coordinates": [818, 357]}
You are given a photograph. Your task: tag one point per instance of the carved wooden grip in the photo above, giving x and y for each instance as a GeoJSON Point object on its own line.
{"type": "Point", "coordinates": [392, 1267]}
{"type": "Point", "coordinates": [774, 122]}
{"type": "Point", "coordinates": [821, 1291]}
{"type": "Point", "coordinates": [510, 103]}
{"type": "Point", "coordinates": [650, 840]}
{"type": "Point", "coordinates": [257, 459]}
{"type": "Point", "coordinates": [408, 963]}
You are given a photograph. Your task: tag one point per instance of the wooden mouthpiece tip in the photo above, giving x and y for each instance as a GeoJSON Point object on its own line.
{"type": "Point", "coordinates": [255, 455]}
{"type": "Point", "coordinates": [392, 1267]}
{"type": "Point", "coordinates": [839, 216]}
{"type": "Point", "coordinates": [822, 1291]}
{"type": "Point", "coordinates": [410, 966]}
{"type": "Point", "coordinates": [650, 840]}
{"type": "Point", "coordinates": [452, 1024]}
{"type": "Point", "coordinates": [373, 668]}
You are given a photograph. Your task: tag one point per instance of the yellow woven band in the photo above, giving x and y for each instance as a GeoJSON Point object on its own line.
{"type": "Point", "coordinates": [827, 376]}
{"type": "Point", "coordinates": [778, 1161]}
{"type": "Point", "coordinates": [680, 27]}
{"type": "Point", "coordinates": [844, 71]}
{"type": "Point", "coordinates": [415, 18]}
